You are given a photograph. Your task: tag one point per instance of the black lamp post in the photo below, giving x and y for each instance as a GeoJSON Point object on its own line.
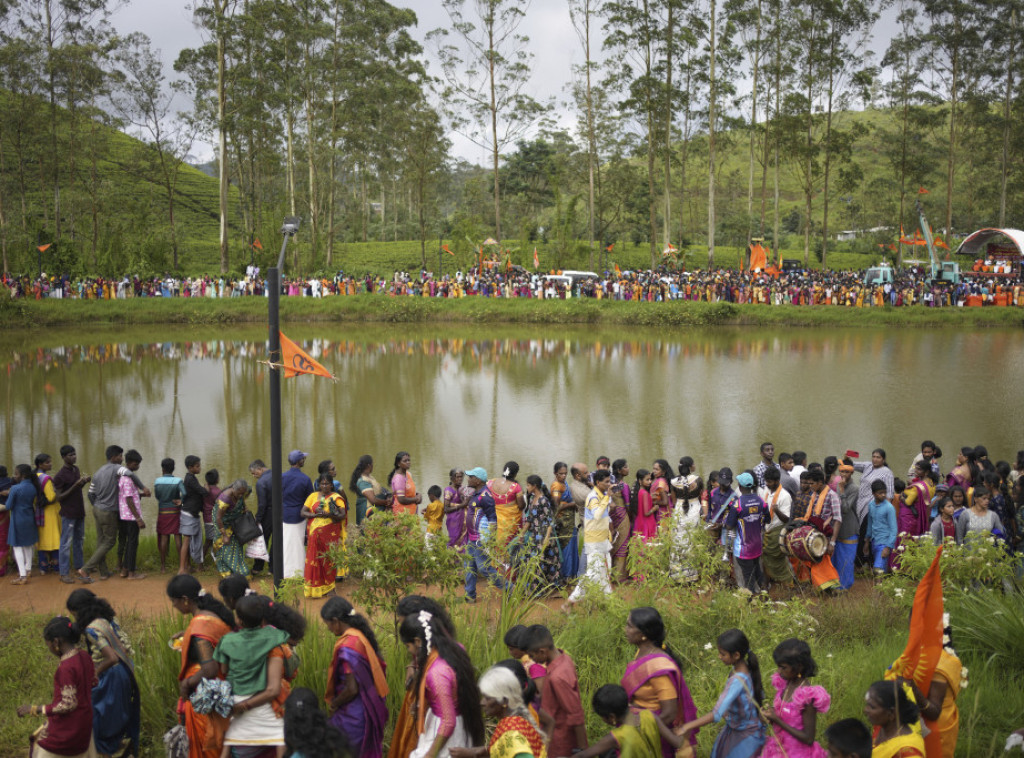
{"type": "Point", "coordinates": [290, 227]}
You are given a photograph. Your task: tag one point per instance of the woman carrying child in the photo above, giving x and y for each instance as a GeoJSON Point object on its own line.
{"type": "Point", "coordinates": [743, 735]}
{"type": "Point", "coordinates": [356, 683]}
{"type": "Point", "coordinates": [252, 660]}
{"type": "Point", "coordinates": [797, 704]}
{"type": "Point", "coordinates": [654, 680]}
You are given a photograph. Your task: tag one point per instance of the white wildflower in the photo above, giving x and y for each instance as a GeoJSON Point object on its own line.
{"type": "Point", "coordinates": [709, 646]}
{"type": "Point", "coordinates": [1014, 740]}
{"type": "Point", "coordinates": [898, 592]}
{"type": "Point", "coordinates": [945, 640]}
{"type": "Point", "coordinates": [829, 655]}
{"type": "Point", "coordinates": [945, 620]}
{"type": "Point", "coordinates": [963, 672]}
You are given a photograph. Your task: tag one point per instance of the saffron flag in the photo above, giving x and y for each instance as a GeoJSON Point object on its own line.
{"type": "Point", "coordinates": [44, 248]}
{"type": "Point", "coordinates": [939, 242]}
{"type": "Point", "coordinates": [924, 645]}
{"type": "Point", "coordinates": [447, 249]}
{"type": "Point", "coordinates": [609, 248]}
{"type": "Point", "coordinates": [922, 191]}
{"type": "Point", "coordinates": [536, 260]}
{"type": "Point", "coordinates": [618, 271]}
{"type": "Point", "coordinates": [256, 244]}
{"type": "Point", "coordinates": [297, 361]}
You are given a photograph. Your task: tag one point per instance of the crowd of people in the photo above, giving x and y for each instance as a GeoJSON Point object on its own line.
{"type": "Point", "coordinates": [239, 662]}
{"type": "Point", "coordinates": [909, 286]}
{"type": "Point", "coordinates": [779, 522]}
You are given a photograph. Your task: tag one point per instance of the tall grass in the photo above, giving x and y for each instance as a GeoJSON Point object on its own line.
{"type": "Point", "coordinates": [853, 639]}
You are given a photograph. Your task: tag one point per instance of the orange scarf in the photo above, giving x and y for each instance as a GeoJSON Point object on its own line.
{"type": "Point", "coordinates": [356, 640]}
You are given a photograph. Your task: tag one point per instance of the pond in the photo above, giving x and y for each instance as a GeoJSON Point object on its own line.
{"type": "Point", "coordinates": [455, 396]}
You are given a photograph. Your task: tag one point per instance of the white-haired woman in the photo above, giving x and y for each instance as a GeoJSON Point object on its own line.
{"type": "Point", "coordinates": [516, 735]}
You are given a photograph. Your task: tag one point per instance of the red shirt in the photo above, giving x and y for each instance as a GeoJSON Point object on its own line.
{"type": "Point", "coordinates": [560, 697]}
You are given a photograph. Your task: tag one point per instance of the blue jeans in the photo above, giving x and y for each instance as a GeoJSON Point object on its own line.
{"type": "Point", "coordinates": [843, 559]}
{"type": "Point", "coordinates": [478, 564]}
{"type": "Point", "coordinates": [72, 538]}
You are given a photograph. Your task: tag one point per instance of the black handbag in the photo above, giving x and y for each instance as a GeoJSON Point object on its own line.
{"type": "Point", "coordinates": [245, 528]}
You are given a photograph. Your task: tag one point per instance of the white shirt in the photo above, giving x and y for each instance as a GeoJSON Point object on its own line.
{"type": "Point", "coordinates": [783, 505]}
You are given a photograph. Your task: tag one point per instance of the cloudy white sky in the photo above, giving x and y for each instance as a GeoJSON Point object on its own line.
{"type": "Point", "coordinates": [552, 40]}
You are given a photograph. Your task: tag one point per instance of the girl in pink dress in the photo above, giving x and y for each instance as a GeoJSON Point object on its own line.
{"type": "Point", "coordinates": [794, 715]}
{"type": "Point", "coordinates": [646, 522]}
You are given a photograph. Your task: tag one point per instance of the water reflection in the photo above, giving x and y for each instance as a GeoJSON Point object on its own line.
{"type": "Point", "coordinates": [472, 397]}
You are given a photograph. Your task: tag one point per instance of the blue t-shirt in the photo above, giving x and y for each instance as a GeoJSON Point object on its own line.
{"type": "Point", "coordinates": [295, 488]}
{"type": "Point", "coordinates": [747, 516]}
{"type": "Point", "coordinates": [882, 529]}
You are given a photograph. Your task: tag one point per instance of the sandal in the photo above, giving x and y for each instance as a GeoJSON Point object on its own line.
{"type": "Point", "coordinates": [20, 580]}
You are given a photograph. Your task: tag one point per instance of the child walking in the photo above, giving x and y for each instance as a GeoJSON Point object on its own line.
{"type": "Point", "coordinates": [434, 512]}
{"type": "Point", "coordinates": [743, 735]}
{"type": "Point", "coordinates": [794, 714]}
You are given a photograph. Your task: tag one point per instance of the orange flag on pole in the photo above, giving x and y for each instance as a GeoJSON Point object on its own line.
{"type": "Point", "coordinates": [609, 248]}
{"type": "Point", "coordinates": [922, 191]}
{"type": "Point", "coordinates": [256, 244]}
{"type": "Point", "coordinates": [536, 259]}
{"type": "Point", "coordinates": [924, 645]}
{"type": "Point", "coordinates": [297, 361]}
{"type": "Point", "coordinates": [447, 249]}
{"type": "Point", "coordinates": [44, 248]}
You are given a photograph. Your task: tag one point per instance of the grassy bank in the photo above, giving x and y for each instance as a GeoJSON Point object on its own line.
{"type": "Point", "coordinates": [33, 314]}
{"type": "Point", "coordinates": [843, 633]}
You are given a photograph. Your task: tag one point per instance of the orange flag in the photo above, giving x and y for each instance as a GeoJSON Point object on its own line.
{"type": "Point", "coordinates": [609, 248]}
{"type": "Point", "coordinates": [618, 271]}
{"type": "Point", "coordinates": [922, 191]}
{"type": "Point", "coordinates": [256, 244]}
{"type": "Point", "coordinates": [536, 260]}
{"type": "Point", "coordinates": [297, 361]}
{"type": "Point", "coordinates": [447, 249]}
{"type": "Point", "coordinates": [924, 645]}
{"type": "Point", "coordinates": [44, 248]}
{"type": "Point", "coordinates": [939, 242]}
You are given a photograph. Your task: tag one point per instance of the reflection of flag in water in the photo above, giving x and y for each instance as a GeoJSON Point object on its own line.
{"type": "Point", "coordinates": [924, 644]}
{"type": "Point", "coordinates": [297, 361]}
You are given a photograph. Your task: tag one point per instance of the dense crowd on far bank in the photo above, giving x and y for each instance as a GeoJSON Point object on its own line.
{"type": "Point", "coordinates": [911, 286]}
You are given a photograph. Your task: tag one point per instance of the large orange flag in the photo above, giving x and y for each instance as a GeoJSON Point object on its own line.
{"type": "Point", "coordinates": [297, 361]}
{"type": "Point", "coordinates": [924, 645]}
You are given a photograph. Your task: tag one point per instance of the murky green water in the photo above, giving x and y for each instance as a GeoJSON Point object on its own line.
{"type": "Point", "coordinates": [479, 397]}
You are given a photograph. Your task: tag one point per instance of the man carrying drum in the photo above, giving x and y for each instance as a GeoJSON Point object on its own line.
{"type": "Point", "coordinates": [824, 516]}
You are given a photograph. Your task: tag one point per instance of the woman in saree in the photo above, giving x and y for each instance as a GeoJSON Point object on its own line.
{"type": "Point", "coordinates": [326, 514]}
{"type": "Point", "coordinates": [447, 706]}
{"type": "Point", "coordinates": [210, 622]}
{"type": "Point", "coordinates": [537, 540]}
{"type": "Point", "coordinates": [646, 522]}
{"type": "Point", "coordinates": [404, 736]}
{"type": "Point", "coordinates": [115, 697]}
{"type": "Point", "coordinates": [654, 680]}
{"type": "Point", "coordinates": [228, 550]}
{"type": "Point", "coordinates": [661, 492]}
{"type": "Point", "coordinates": [356, 684]}
{"type": "Point", "coordinates": [368, 491]}
{"type": "Point", "coordinates": [517, 734]}
{"type": "Point", "coordinates": [622, 526]}
{"type": "Point", "coordinates": [455, 509]}
{"type": "Point", "coordinates": [565, 521]}
{"type": "Point", "coordinates": [965, 473]}
{"type": "Point", "coordinates": [914, 514]}
{"type": "Point", "coordinates": [405, 499]}
{"type": "Point", "coordinates": [896, 721]}
{"type": "Point", "coordinates": [509, 502]}
{"type": "Point", "coordinates": [68, 729]}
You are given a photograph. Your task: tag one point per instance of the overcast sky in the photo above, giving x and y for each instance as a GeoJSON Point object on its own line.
{"type": "Point", "coordinates": [552, 40]}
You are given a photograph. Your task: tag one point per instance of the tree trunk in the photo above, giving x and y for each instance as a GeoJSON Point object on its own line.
{"type": "Point", "coordinates": [494, 126]}
{"type": "Point", "coordinates": [591, 140]}
{"type": "Point", "coordinates": [954, 104]}
{"type": "Point", "coordinates": [753, 115]}
{"type": "Point", "coordinates": [669, 34]}
{"type": "Point", "coordinates": [711, 138]}
{"type": "Point", "coordinates": [1005, 168]}
{"type": "Point", "coordinates": [222, 141]}
{"type": "Point", "coordinates": [828, 150]}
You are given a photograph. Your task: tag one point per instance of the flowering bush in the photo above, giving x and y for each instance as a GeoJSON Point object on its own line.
{"type": "Point", "coordinates": [981, 559]}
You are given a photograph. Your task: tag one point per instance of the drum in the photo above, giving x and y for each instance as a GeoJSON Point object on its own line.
{"type": "Point", "coordinates": [805, 543]}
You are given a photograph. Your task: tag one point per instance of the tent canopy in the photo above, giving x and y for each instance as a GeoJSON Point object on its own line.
{"type": "Point", "coordinates": [975, 244]}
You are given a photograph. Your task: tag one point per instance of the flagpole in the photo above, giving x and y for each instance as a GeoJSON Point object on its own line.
{"type": "Point", "coordinates": [291, 226]}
